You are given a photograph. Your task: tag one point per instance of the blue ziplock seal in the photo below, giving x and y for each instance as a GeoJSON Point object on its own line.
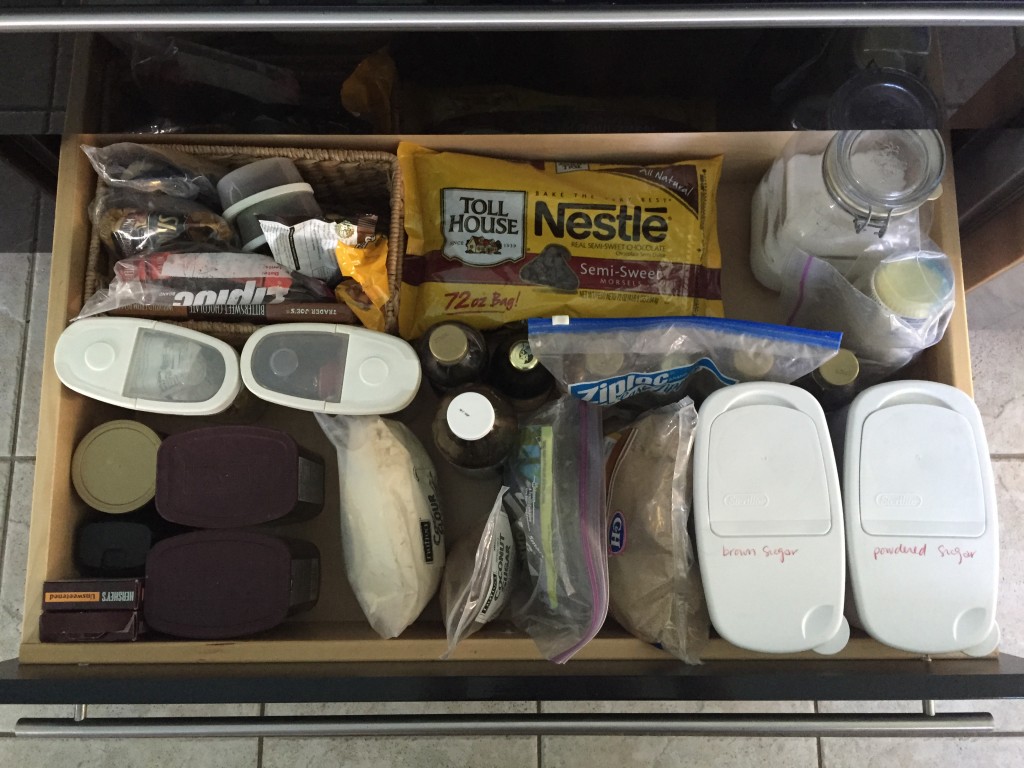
{"type": "Point", "coordinates": [828, 339]}
{"type": "Point", "coordinates": [615, 389]}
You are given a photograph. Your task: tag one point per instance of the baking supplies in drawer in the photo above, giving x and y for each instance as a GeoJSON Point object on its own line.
{"type": "Point", "coordinates": [769, 520]}
{"type": "Point", "coordinates": [921, 519]}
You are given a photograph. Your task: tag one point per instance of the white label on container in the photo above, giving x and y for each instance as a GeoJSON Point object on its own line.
{"type": "Point", "coordinates": [500, 584]}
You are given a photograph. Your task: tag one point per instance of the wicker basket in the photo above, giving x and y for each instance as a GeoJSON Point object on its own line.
{"type": "Point", "coordinates": [342, 180]}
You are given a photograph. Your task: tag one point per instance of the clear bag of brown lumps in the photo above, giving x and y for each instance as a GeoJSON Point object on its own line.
{"type": "Point", "coordinates": [655, 590]}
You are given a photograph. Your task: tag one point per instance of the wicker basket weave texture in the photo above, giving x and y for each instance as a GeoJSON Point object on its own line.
{"type": "Point", "coordinates": [344, 182]}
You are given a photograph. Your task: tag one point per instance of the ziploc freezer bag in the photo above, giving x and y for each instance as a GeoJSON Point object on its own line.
{"type": "Point", "coordinates": [657, 360]}
{"type": "Point", "coordinates": [492, 241]}
{"type": "Point", "coordinates": [556, 500]}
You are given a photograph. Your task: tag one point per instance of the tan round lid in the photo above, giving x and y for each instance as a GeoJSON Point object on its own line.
{"type": "Point", "coordinates": [840, 370]}
{"type": "Point", "coordinates": [448, 344]}
{"type": "Point", "coordinates": [915, 288]}
{"type": "Point", "coordinates": [114, 467]}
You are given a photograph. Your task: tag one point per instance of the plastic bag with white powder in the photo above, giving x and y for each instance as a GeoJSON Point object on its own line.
{"type": "Point", "coordinates": [392, 531]}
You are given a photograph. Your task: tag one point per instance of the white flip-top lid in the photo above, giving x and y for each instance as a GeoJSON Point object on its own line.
{"type": "Point", "coordinates": [921, 518]}
{"type": "Point", "coordinates": [768, 475]}
{"type": "Point", "coordinates": [147, 365]}
{"type": "Point", "coordinates": [326, 368]}
{"type": "Point", "coordinates": [768, 518]}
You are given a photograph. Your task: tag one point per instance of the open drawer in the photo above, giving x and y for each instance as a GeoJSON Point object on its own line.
{"type": "Point", "coordinates": [331, 653]}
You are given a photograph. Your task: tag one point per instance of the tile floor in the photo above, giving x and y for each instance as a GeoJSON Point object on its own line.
{"type": "Point", "coordinates": [996, 314]}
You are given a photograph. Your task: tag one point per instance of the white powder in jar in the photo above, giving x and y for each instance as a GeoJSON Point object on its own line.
{"type": "Point", "coordinates": [797, 215]}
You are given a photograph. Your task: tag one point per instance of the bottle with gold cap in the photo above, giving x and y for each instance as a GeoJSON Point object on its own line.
{"type": "Point", "coordinates": [516, 372]}
{"type": "Point", "coordinates": [834, 382]}
{"type": "Point", "coordinates": [452, 354]}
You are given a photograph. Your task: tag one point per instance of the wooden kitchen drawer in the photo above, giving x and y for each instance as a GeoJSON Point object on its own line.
{"type": "Point", "coordinates": [335, 631]}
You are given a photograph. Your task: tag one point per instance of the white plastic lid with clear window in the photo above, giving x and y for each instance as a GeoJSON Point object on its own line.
{"type": "Point", "coordinates": [768, 518]}
{"type": "Point", "coordinates": [148, 366]}
{"type": "Point", "coordinates": [921, 519]}
{"type": "Point", "coordinates": [324, 368]}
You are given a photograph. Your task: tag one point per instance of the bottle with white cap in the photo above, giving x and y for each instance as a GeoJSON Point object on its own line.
{"type": "Point", "coordinates": [475, 429]}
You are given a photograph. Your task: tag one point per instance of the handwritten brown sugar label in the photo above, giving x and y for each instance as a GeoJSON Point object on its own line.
{"type": "Point", "coordinates": [779, 554]}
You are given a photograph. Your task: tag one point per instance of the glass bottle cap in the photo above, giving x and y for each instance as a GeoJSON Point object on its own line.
{"type": "Point", "coordinates": [521, 356]}
{"type": "Point", "coordinates": [840, 370]}
{"type": "Point", "coordinates": [448, 344]}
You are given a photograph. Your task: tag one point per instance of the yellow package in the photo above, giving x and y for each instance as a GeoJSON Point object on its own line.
{"type": "Point", "coordinates": [367, 293]}
{"type": "Point", "coordinates": [495, 241]}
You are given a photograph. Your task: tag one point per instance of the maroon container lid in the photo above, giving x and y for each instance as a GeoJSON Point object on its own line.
{"type": "Point", "coordinates": [235, 476]}
{"type": "Point", "coordinates": [220, 584]}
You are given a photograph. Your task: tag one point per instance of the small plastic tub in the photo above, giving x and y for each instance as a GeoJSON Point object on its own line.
{"type": "Point", "coordinates": [231, 477]}
{"type": "Point", "coordinates": [253, 178]}
{"type": "Point", "coordinates": [211, 585]}
{"type": "Point", "coordinates": [270, 189]}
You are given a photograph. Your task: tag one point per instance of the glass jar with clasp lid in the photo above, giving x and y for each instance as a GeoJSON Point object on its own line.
{"type": "Point", "coordinates": [842, 196]}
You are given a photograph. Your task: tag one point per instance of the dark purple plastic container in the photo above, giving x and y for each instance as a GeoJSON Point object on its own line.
{"type": "Point", "coordinates": [210, 585]}
{"type": "Point", "coordinates": [231, 477]}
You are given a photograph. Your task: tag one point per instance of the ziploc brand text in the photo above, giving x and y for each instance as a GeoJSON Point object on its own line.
{"type": "Point", "coordinates": [615, 389]}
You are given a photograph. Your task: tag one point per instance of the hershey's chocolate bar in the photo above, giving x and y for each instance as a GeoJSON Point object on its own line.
{"type": "Point", "coordinates": [92, 595]}
{"type": "Point", "coordinates": [90, 627]}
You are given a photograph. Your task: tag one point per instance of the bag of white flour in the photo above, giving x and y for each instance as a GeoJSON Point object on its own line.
{"type": "Point", "coordinates": [392, 531]}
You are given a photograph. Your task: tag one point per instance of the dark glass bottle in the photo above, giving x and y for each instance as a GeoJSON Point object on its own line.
{"type": "Point", "coordinates": [834, 382]}
{"type": "Point", "coordinates": [475, 429]}
{"type": "Point", "coordinates": [452, 354]}
{"type": "Point", "coordinates": [517, 374]}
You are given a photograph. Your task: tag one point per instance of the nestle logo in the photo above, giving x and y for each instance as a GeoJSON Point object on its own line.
{"type": "Point", "coordinates": [745, 500]}
{"type": "Point", "coordinates": [898, 500]}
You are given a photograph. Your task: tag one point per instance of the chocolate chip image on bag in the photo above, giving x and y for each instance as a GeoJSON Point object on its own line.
{"type": "Point", "coordinates": [492, 241]}
{"type": "Point", "coordinates": [552, 269]}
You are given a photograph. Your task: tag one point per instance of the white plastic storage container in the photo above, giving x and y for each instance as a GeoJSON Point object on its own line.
{"type": "Point", "coordinates": [148, 366]}
{"type": "Point", "coordinates": [921, 519]}
{"type": "Point", "coordinates": [339, 369]}
{"type": "Point", "coordinates": [768, 520]}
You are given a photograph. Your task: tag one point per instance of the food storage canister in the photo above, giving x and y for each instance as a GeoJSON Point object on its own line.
{"type": "Point", "coordinates": [843, 196]}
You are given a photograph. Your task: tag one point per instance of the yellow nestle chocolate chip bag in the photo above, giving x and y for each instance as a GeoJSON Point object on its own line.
{"type": "Point", "coordinates": [494, 241]}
